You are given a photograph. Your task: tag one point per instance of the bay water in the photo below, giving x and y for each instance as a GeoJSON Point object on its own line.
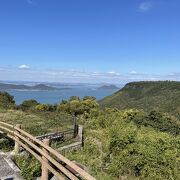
{"type": "Point", "coordinates": [54, 97]}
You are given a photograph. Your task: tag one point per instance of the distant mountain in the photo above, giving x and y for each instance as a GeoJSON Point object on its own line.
{"type": "Point", "coordinates": [108, 87]}
{"type": "Point", "coordinates": [40, 87]}
{"type": "Point", "coordinates": [161, 95]}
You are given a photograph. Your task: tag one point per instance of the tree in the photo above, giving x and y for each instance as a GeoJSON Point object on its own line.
{"type": "Point", "coordinates": [76, 106]}
{"type": "Point", "coordinates": [28, 104]}
{"type": "Point", "coordinates": [89, 104]}
{"type": "Point", "coordinates": [6, 100]}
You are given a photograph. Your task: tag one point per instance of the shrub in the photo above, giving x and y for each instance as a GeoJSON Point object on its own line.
{"type": "Point", "coordinates": [76, 106]}
{"type": "Point", "coordinates": [6, 100]}
{"type": "Point", "coordinates": [6, 143]}
{"type": "Point", "coordinates": [42, 107]}
{"type": "Point", "coordinates": [28, 104]}
{"type": "Point", "coordinates": [116, 145]}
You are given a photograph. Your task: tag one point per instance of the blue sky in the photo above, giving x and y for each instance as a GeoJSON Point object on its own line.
{"type": "Point", "coordinates": [89, 40]}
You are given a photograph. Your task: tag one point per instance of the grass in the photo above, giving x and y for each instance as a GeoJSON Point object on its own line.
{"type": "Point", "coordinates": [37, 123]}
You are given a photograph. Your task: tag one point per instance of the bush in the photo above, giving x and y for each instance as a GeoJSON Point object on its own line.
{"type": "Point", "coordinates": [6, 100]}
{"type": "Point", "coordinates": [155, 119]}
{"type": "Point", "coordinates": [144, 153]}
{"type": "Point", "coordinates": [28, 104]}
{"type": "Point", "coordinates": [76, 106]}
{"type": "Point", "coordinates": [114, 144]}
{"type": "Point", "coordinates": [42, 107]}
{"type": "Point", "coordinates": [6, 144]}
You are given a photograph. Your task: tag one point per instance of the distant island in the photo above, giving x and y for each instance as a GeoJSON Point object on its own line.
{"type": "Point", "coordinates": [108, 87]}
{"type": "Point", "coordinates": [38, 87]}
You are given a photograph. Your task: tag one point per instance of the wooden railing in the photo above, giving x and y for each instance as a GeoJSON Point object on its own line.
{"type": "Point", "coordinates": [57, 135]}
{"type": "Point", "coordinates": [50, 159]}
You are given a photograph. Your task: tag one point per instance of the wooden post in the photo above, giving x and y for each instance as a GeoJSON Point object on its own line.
{"type": "Point", "coordinates": [17, 146]}
{"type": "Point", "coordinates": [75, 127]}
{"type": "Point", "coordinates": [44, 175]}
{"type": "Point", "coordinates": [80, 134]}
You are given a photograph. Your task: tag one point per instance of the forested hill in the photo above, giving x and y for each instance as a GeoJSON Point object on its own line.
{"type": "Point", "coordinates": [147, 95]}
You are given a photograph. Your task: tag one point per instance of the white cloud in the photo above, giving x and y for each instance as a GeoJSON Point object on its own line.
{"type": "Point", "coordinates": [76, 76]}
{"type": "Point", "coordinates": [133, 72]}
{"type": "Point", "coordinates": [24, 66]}
{"type": "Point", "coordinates": [111, 72]}
{"type": "Point", "coordinates": [145, 6]}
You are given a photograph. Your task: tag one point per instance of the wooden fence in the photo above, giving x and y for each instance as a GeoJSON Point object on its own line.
{"type": "Point", "coordinates": [50, 159]}
{"type": "Point", "coordinates": [58, 135]}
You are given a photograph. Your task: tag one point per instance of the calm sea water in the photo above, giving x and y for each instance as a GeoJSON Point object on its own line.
{"type": "Point", "coordinates": [52, 97]}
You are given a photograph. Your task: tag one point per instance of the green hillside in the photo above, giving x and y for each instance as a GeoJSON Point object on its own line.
{"type": "Point", "coordinates": [118, 144]}
{"type": "Point", "coordinates": [159, 95]}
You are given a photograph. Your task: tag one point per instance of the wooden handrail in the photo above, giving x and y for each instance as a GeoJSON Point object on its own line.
{"type": "Point", "coordinates": [83, 173]}
{"type": "Point", "coordinates": [53, 161]}
{"type": "Point", "coordinates": [20, 135]}
{"type": "Point", "coordinates": [6, 124]}
{"type": "Point", "coordinates": [6, 129]}
{"type": "Point", "coordinates": [40, 159]}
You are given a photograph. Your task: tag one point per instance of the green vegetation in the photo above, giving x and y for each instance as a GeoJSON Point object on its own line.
{"type": "Point", "coordinates": [115, 147]}
{"type": "Point", "coordinates": [38, 119]}
{"type": "Point", "coordinates": [6, 144]}
{"type": "Point", "coordinates": [76, 106]}
{"type": "Point", "coordinates": [160, 121]}
{"type": "Point", "coordinates": [38, 123]}
{"type": "Point", "coordinates": [161, 95]}
{"type": "Point", "coordinates": [137, 139]}
{"type": "Point", "coordinates": [28, 104]}
{"type": "Point", "coordinates": [30, 167]}
{"type": "Point", "coordinates": [6, 100]}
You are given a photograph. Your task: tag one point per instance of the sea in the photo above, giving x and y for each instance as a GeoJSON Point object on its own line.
{"type": "Point", "coordinates": [56, 96]}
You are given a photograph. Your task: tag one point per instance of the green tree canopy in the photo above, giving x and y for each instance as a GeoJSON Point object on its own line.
{"type": "Point", "coordinates": [76, 106]}
{"type": "Point", "coordinates": [28, 104]}
{"type": "Point", "coordinates": [6, 100]}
